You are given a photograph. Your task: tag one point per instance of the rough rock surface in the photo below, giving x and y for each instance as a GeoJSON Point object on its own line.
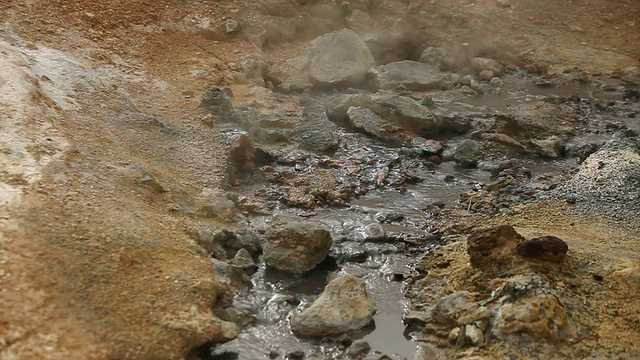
{"type": "Point", "coordinates": [337, 58]}
{"type": "Point", "coordinates": [491, 247]}
{"type": "Point", "coordinates": [296, 247]}
{"type": "Point", "coordinates": [467, 153]}
{"type": "Point", "coordinates": [345, 305]}
{"type": "Point", "coordinates": [368, 121]}
{"type": "Point", "coordinates": [401, 111]}
{"type": "Point", "coordinates": [545, 248]}
{"type": "Point", "coordinates": [408, 75]}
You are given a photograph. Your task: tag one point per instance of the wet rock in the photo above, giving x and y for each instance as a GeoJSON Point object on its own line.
{"type": "Point", "coordinates": [295, 355]}
{"type": "Point", "coordinates": [232, 275]}
{"type": "Point", "coordinates": [374, 231]}
{"type": "Point", "coordinates": [479, 64]}
{"type": "Point", "coordinates": [358, 347]}
{"type": "Point", "coordinates": [244, 260]}
{"type": "Point", "coordinates": [544, 248]}
{"type": "Point", "coordinates": [506, 140]}
{"type": "Point", "coordinates": [427, 146]}
{"type": "Point", "coordinates": [368, 121]}
{"type": "Point", "coordinates": [492, 247]}
{"type": "Point", "coordinates": [296, 247]}
{"type": "Point", "coordinates": [550, 147]}
{"type": "Point", "coordinates": [401, 111]}
{"type": "Point", "coordinates": [427, 351]}
{"type": "Point", "coordinates": [409, 75]}
{"type": "Point", "coordinates": [345, 305]}
{"type": "Point", "coordinates": [315, 132]}
{"type": "Point", "coordinates": [467, 153]}
{"type": "Point", "coordinates": [217, 101]}
{"type": "Point", "coordinates": [245, 239]}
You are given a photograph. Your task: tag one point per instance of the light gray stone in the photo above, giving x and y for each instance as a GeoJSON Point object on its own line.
{"type": "Point", "coordinates": [345, 305]}
{"type": "Point", "coordinates": [409, 75]}
{"type": "Point", "coordinates": [296, 247]}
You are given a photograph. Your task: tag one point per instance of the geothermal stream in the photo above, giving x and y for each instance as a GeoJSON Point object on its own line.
{"type": "Point", "coordinates": [383, 264]}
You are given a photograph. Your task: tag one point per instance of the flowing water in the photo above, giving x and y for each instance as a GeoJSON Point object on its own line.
{"type": "Point", "coordinates": [274, 295]}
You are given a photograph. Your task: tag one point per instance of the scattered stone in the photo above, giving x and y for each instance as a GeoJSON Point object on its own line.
{"type": "Point", "coordinates": [454, 335]}
{"type": "Point", "coordinates": [630, 74]}
{"type": "Point", "coordinates": [232, 275]}
{"type": "Point", "coordinates": [449, 308]}
{"type": "Point", "coordinates": [427, 146]}
{"type": "Point", "coordinates": [358, 347]}
{"type": "Point", "coordinates": [345, 305]}
{"type": "Point", "coordinates": [545, 248]}
{"type": "Point", "coordinates": [493, 246]}
{"type": "Point", "coordinates": [296, 247]}
{"type": "Point", "coordinates": [409, 75]}
{"type": "Point", "coordinates": [231, 26]}
{"type": "Point", "coordinates": [467, 153]}
{"type": "Point", "coordinates": [217, 101]}
{"type": "Point", "coordinates": [550, 147]}
{"type": "Point", "coordinates": [295, 355]}
{"type": "Point", "coordinates": [143, 176]}
{"type": "Point", "coordinates": [486, 75]}
{"type": "Point", "coordinates": [219, 207]}
{"type": "Point", "coordinates": [473, 335]}
{"type": "Point", "coordinates": [479, 64]}
{"type": "Point", "coordinates": [497, 82]}
{"type": "Point", "coordinates": [440, 57]}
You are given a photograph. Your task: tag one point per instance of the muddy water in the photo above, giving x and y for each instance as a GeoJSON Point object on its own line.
{"type": "Point", "coordinates": [274, 295]}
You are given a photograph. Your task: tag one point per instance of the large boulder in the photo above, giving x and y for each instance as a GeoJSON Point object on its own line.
{"type": "Point", "coordinates": [344, 305]}
{"type": "Point", "coordinates": [410, 75]}
{"type": "Point", "coordinates": [397, 112]}
{"type": "Point", "coordinates": [296, 247]}
{"type": "Point", "coordinates": [339, 58]}
{"type": "Point", "coordinates": [370, 122]}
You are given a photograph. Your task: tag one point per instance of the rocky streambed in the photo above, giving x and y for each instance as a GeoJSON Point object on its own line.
{"type": "Point", "coordinates": [349, 209]}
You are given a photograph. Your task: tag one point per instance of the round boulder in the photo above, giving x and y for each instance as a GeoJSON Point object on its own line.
{"type": "Point", "coordinates": [296, 247]}
{"type": "Point", "coordinates": [345, 305]}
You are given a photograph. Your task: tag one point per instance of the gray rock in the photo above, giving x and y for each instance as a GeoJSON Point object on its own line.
{"type": "Point", "coordinates": [486, 75]}
{"type": "Point", "coordinates": [296, 247]}
{"type": "Point", "coordinates": [244, 260]}
{"type": "Point", "coordinates": [550, 147]}
{"type": "Point", "coordinates": [409, 75]}
{"type": "Point", "coordinates": [427, 146]}
{"type": "Point", "coordinates": [467, 153]}
{"type": "Point", "coordinates": [440, 57]}
{"type": "Point", "coordinates": [231, 26]}
{"type": "Point", "coordinates": [241, 158]}
{"type": "Point", "coordinates": [368, 121]}
{"type": "Point", "coordinates": [358, 347]}
{"type": "Point", "coordinates": [449, 308]}
{"type": "Point", "coordinates": [400, 111]}
{"type": "Point", "coordinates": [219, 207]}
{"type": "Point", "coordinates": [315, 132]}
{"type": "Point", "coordinates": [141, 175]}
{"type": "Point", "coordinates": [338, 58]}
{"type": "Point", "coordinates": [245, 239]}
{"type": "Point", "coordinates": [345, 305]}
{"type": "Point", "coordinates": [479, 64]}
{"type": "Point", "coordinates": [630, 74]}
{"type": "Point", "coordinates": [217, 101]}
{"type": "Point", "coordinates": [497, 82]}
{"type": "Point", "coordinates": [473, 335]}
{"type": "Point", "coordinates": [230, 274]}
